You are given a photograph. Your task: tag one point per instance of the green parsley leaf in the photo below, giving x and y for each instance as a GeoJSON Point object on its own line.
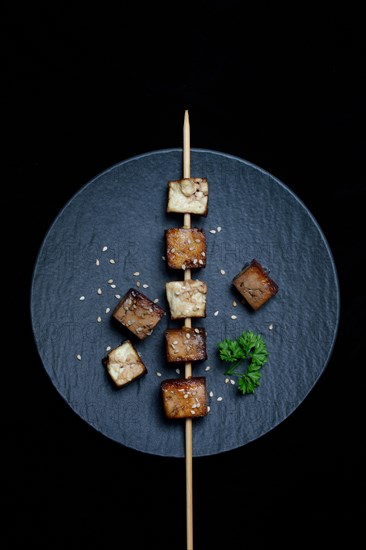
{"type": "Point", "coordinates": [248, 347]}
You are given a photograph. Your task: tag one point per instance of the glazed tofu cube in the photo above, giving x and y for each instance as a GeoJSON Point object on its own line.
{"type": "Point", "coordinates": [138, 313]}
{"type": "Point", "coordinates": [184, 397]}
{"type": "Point", "coordinates": [124, 364]}
{"type": "Point", "coordinates": [255, 285]}
{"type": "Point", "coordinates": [186, 298]}
{"type": "Point", "coordinates": [185, 344]}
{"type": "Point", "coordinates": [185, 248]}
{"type": "Point", "coordinates": [188, 196]}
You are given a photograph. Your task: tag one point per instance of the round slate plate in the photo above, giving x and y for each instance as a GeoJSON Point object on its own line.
{"type": "Point", "coordinates": [124, 209]}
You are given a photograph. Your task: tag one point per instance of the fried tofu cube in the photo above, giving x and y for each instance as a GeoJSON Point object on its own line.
{"type": "Point", "coordinates": [124, 364]}
{"type": "Point", "coordinates": [138, 313]}
{"type": "Point", "coordinates": [255, 285]}
{"type": "Point", "coordinates": [188, 196]}
{"type": "Point", "coordinates": [185, 344]}
{"type": "Point", "coordinates": [186, 298]}
{"type": "Point", "coordinates": [184, 397]}
{"type": "Point", "coordinates": [185, 248]}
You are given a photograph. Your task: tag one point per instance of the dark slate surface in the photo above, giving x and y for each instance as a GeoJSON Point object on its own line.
{"type": "Point", "coordinates": [124, 208]}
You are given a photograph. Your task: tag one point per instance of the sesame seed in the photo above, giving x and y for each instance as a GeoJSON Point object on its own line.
{"type": "Point", "coordinates": [219, 398]}
{"type": "Point", "coordinates": [108, 348]}
{"type": "Point", "coordinates": [158, 373]}
{"type": "Point", "coordinates": [163, 258]}
{"type": "Point", "coordinates": [226, 380]}
{"type": "Point", "coordinates": [177, 371]}
{"type": "Point", "coordinates": [97, 262]}
{"type": "Point", "coordinates": [82, 298]}
{"type": "Point", "coordinates": [232, 382]}
{"type": "Point", "coordinates": [234, 317]}
{"type": "Point", "coordinates": [208, 409]}
{"type": "Point", "coordinates": [185, 395]}
{"type": "Point", "coordinates": [138, 283]}
{"type": "Point", "coordinates": [188, 336]}
{"type": "Point", "coordinates": [207, 368]}
{"type": "Point", "coordinates": [234, 304]}
{"type": "Point", "coordinates": [145, 286]}
{"type": "Point", "coordinates": [175, 342]}
{"type": "Point", "coordinates": [213, 231]}
{"type": "Point", "coordinates": [270, 327]}
{"type": "Point", "coordinates": [107, 309]}
{"type": "Point", "coordinates": [197, 241]}
{"type": "Point", "coordinates": [200, 262]}
{"type": "Point", "coordinates": [118, 296]}
{"type": "Point", "coordinates": [112, 261]}
{"type": "Point", "coordinates": [183, 266]}
{"type": "Point", "coordinates": [113, 286]}
{"type": "Point", "coordinates": [211, 394]}
{"type": "Point", "coordinates": [203, 254]}
{"type": "Point", "coordinates": [195, 261]}
{"type": "Point", "coordinates": [99, 319]}
{"type": "Point", "coordinates": [216, 313]}
{"type": "Point", "coordinates": [137, 273]}
{"type": "Point", "coordinates": [197, 330]}
{"type": "Point", "coordinates": [222, 271]}
{"type": "Point", "coordinates": [78, 357]}
{"type": "Point", "coordinates": [104, 248]}
{"type": "Point", "coordinates": [191, 248]}
{"type": "Point", "coordinates": [156, 300]}
{"type": "Point", "coordinates": [218, 229]}
{"type": "Point", "coordinates": [110, 281]}
{"type": "Point", "coordinates": [99, 291]}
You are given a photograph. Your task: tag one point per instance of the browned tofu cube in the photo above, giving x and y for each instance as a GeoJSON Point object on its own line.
{"type": "Point", "coordinates": [186, 298]}
{"type": "Point", "coordinates": [255, 285]}
{"type": "Point", "coordinates": [124, 364]}
{"type": "Point", "coordinates": [185, 344]}
{"type": "Point", "coordinates": [185, 248]}
{"type": "Point", "coordinates": [188, 196]}
{"type": "Point", "coordinates": [184, 397]}
{"type": "Point", "coordinates": [138, 313]}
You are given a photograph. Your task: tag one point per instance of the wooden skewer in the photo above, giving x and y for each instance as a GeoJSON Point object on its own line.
{"type": "Point", "coordinates": [188, 365]}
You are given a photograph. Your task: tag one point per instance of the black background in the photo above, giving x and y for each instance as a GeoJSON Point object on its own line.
{"type": "Point", "coordinates": [85, 88]}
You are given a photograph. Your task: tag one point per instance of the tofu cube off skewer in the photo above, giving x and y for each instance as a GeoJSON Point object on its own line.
{"type": "Point", "coordinates": [138, 313]}
{"type": "Point", "coordinates": [255, 285]}
{"type": "Point", "coordinates": [124, 364]}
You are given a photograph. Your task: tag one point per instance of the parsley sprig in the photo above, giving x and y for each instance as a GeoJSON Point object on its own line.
{"type": "Point", "coordinates": [248, 347]}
